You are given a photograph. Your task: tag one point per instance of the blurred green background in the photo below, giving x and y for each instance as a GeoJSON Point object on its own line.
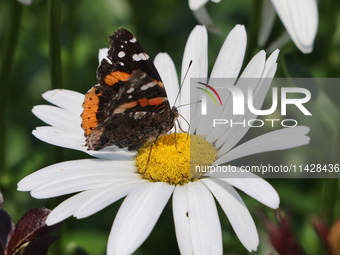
{"type": "Point", "coordinates": [161, 26]}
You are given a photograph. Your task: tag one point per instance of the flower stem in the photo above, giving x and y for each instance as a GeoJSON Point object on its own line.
{"type": "Point", "coordinates": [14, 21]}
{"type": "Point", "coordinates": [328, 112]}
{"type": "Point", "coordinates": [54, 32]}
{"type": "Point", "coordinates": [332, 185]}
{"type": "Point", "coordinates": [54, 12]}
{"type": "Point", "coordinates": [54, 36]}
{"type": "Point", "coordinates": [330, 198]}
{"type": "Point", "coordinates": [332, 8]}
{"type": "Point", "coordinates": [253, 29]}
{"type": "Point", "coordinates": [331, 193]}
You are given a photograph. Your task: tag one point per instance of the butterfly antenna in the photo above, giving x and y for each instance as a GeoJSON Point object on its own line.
{"type": "Point", "coordinates": [180, 88]}
{"type": "Point", "coordinates": [189, 104]}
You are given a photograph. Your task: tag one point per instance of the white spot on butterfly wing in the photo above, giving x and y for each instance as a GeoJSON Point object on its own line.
{"type": "Point", "coordinates": [143, 56]}
{"type": "Point", "coordinates": [130, 90]}
{"type": "Point", "coordinates": [148, 85]}
{"type": "Point", "coordinates": [140, 56]}
{"type": "Point", "coordinates": [136, 57]}
{"type": "Point", "coordinates": [133, 40]}
{"type": "Point", "coordinates": [121, 54]}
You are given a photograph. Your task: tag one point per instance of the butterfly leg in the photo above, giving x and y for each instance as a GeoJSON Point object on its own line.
{"type": "Point", "coordinates": [147, 162]}
{"type": "Point", "coordinates": [175, 135]}
{"type": "Point", "coordinates": [181, 127]}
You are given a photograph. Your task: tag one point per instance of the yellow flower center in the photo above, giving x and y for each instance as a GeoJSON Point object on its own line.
{"type": "Point", "coordinates": [175, 162]}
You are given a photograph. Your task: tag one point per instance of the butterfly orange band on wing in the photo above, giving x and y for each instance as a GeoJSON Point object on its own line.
{"type": "Point", "coordinates": [115, 77]}
{"type": "Point", "coordinates": [90, 105]}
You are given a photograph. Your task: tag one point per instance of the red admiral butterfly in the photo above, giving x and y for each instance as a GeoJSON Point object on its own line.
{"type": "Point", "coordinates": [129, 106]}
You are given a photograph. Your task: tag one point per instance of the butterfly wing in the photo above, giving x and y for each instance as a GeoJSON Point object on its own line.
{"type": "Point", "coordinates": [129, 105]}
{"type": "Point", "coordinates": [125, 55]}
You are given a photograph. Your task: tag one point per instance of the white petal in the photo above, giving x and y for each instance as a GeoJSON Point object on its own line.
{"type": "Point", "coordinates": [249, 79]}
{"type": "Point", "coordinates": [196, 50]}
{"type": "Point", "coordinates": [89, 202]}
{"type": "Point", "coordinates": [76, 184]}
{"type": "Point", "coordinates": [58, 117]}
{"type": "Point", "coordinates": [113, 153]}
{"type": "Point", "coordinates": [203, 17]}
{"type": "Point", "coordinates": [206, 234]}
{"type": "Point", "coordinates": [92, 171]}
{"type": "Point", "coordinates": [67, 99]}
{"type": "Point", "coordinates": [236, 211]}
{"type": "Point", "coordinates": [195, 4]}
{"type": "Point", "coordinates": [300, 19]}
{"type": "Point", "coordinates": [255, 67]}
{"type": "Point", "coordinates": [76, 141]}
{"type": "Point", "coordinates": [80, 183]}
{"type": "Point", "coordinates": [167, 71]}
{"type": "Point", "coordinates": [267, 22]}
{"type": "Point", "coordinates": [86, 181]}
{"type": "Point", "coordinates": [52, 135]}
{"type": "Point", "coordinates": [270, 63]}
{"type": "Point", "coordinates": [255, 187]}
{"type": "Point", "coordinates": [227, 65]}
{"type": "Point", "coordinates": [230, 58]}
{"type": "Point", "coordinates": [26, 2]}
{"type": "Point", "coordinates": [137, 216]}
{"type": "Point", "coordinates": [39, 177]}
{"type": "Point", "coordinates": [68, 207]}
{"type": "Point", "coordinates": [260, 87]}
{"type": "Point", "coordinates": [276, 140]}
{"type": "Point", "coordinates": [108, 195]}
{"type": "Point", "coordinates": [181, 219]}
{"type": "Point", "coordinates": [103, 53]}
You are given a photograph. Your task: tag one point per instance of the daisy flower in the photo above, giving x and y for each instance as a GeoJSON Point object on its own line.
{"type": "Point", "coordinates": [115, 173]}
{"type": "Point", "coordinates": [300, 19]}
